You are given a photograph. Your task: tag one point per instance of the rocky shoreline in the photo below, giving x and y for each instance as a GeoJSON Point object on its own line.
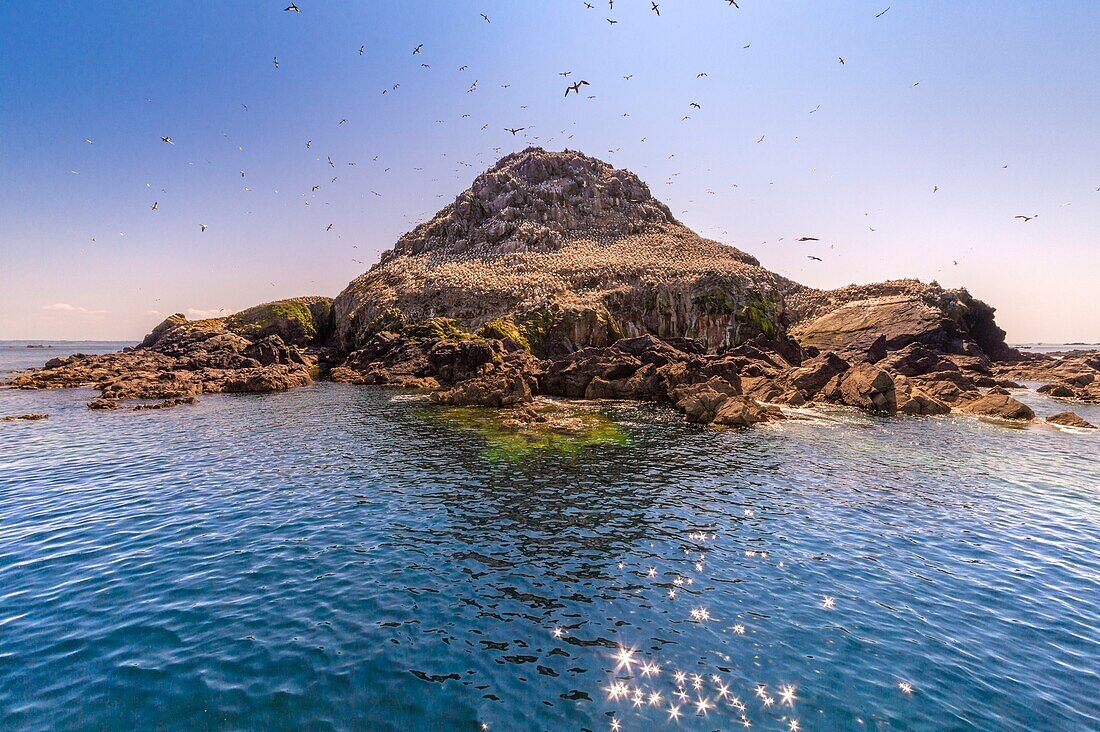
{"type": "Point", "coordinates": [557, 275]}
{"type": "Point", "coordinates": [739, 387]}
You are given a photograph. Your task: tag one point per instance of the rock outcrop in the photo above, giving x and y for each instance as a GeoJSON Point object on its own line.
{"type": "Point", "coordinates": [1071, 375]}
{"type": "Point", "coordinates": [181, 359]}
{"type": "Point", "coordinates": [557, 275]}
{"type": "Point", "coordinates": [1070, 419]}
{"type": "Point", "coordinates": [561, 251]}
{"type": "Point", "coordinates": [900, 313]}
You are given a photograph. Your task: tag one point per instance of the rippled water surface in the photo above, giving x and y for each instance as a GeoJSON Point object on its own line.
{"type": "Point", "coordinates": [342, 557]}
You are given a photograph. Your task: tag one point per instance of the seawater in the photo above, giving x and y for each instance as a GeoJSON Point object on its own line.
{"type": "Point", "coordinates": [341, 557]}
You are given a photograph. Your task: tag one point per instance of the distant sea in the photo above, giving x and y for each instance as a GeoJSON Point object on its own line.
{"type": "Point", "coordinates": [346, 558]}
{"type": "Point", "coordinates": [1056, 347]}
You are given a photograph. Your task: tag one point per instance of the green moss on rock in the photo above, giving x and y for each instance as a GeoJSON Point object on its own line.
{"type": "Point", "coordinates": [300, 321]}
{"type": "Point", "coordinates": [503, 329]}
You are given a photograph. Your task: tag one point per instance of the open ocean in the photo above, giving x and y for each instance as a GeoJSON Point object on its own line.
{"type": "Point", "coordinates": [349, 558]}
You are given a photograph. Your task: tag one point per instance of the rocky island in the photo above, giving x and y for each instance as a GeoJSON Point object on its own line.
{"type": "Point", "coordinates": [556, 274]}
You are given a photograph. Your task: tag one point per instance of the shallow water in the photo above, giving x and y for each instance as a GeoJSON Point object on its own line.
{"type": "Point", "coordinates": [341, 557]}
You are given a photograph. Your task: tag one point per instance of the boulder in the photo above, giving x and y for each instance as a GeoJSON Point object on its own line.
{"type": "Point", "coordinates": [165, 325]}
{"type": "Point", "coordinates": [998, 406]}
{"type": "Point", "coordinates": [1070, 419]}
{"type": "Point", "coordinates": [497, 388]}
{"type": "Point", "coordinates": [277, 377]}
{"type": "Point", "coordinates": [268, 350]}
{"type": "Point", "coordinates": [701, 402]}
{"type": "Point", "coordinates": [1060, 391]}
{"type": "Point", "coordinates": [864, 386]}
{"type": "Point", "coordinates": [741, 411]}
{"type": "Point", "coordinates": [454, 361]}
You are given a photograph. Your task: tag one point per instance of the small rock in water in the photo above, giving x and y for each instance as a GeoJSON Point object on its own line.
{"type": "Point", "coordinates": [167, 403]}
{"type": "Point", "coordinates": [32, 417]}
{"type": "Point", "coordinates": [1070, 419]}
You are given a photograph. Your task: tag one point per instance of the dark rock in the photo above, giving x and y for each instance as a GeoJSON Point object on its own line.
{"type": "Point", "coordinates": [863, 386]}
{"type": "Point", "coordinates": [1057, 390]}
{"type": "Point", "coordinates": [498, 388]}
{"type": "Point", "coordinates": [167, 404]}
{"type": "Point", "coordinates": [32, 417]}
{"type": "Point", "coordinates": [276, 377]}
{"type": "Point", "coordinates": [1070, 419]}
{"type": "Point", "coordinates": [999, 406]}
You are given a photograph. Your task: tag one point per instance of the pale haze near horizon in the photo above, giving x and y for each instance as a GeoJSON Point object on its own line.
{"type": "Point", "coordinates": [931, 94]}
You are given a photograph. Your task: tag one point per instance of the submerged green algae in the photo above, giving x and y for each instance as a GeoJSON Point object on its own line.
{"type": "Point", "coordinates": [567, 430]}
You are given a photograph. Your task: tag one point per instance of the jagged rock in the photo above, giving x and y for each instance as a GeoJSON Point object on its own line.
{"type": "Point", "coordinates": [914, 401]}
{"type": "Point", "coordinates": [498, 388]}
{"type": "Point", "coordinates": [864, 386]}
{"type": "Point", "coordinates": [268, 378]}
{"type": "Point", "coordinates": [852, 319]}
{"type": "Point", "coordinates": [701, 402]}
{"type": "Point", "coordinates": [104, 404]}
{"type": "Point", "coordinates": [454, 361]}
{"type": "Point", "coordinates": [571, 376]}
{"type": "Point", "coordinates": [166, 404]}
{"type": "Point", "coordinates": [1057, 390]}
{"type": "Point", "coordinates": [32, 417]}
{"type": "Point", "coordinates": [1076, 370]}
{"type": "Point", "coordinates": [573, 253]}
{"type": "Point", "coordinates": [166, 325]}
{"type": "Point", "coordinates": [1070, 419]}
{"type": "Point", "coordinates": [268, 350]}
{"type": "Point", "coordinates": [999, 406]}
{"type": "Point", "coordinates": [741, 411]}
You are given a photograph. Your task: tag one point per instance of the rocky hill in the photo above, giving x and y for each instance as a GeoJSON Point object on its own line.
{"type": "Point", "coordinates": [569, 252]}
{"type": "Point", "coordinates": [558, 275]}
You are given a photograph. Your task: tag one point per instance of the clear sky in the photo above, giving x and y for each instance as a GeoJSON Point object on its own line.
{"type": "Point", "coordinates": [932, 93]}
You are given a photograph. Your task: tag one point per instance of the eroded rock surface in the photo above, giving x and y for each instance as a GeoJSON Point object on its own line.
{"type": "Point", "coordinates": [181, 359]}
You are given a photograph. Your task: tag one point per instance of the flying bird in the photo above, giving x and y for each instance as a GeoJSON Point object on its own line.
{"type": "Point", "coordinates": [655, 8]}
{"type": "Point", "coordinates": [202, 228]}
{"type": "Point", "coordinates": [841, 60]}
{"type": "Point", "coordinates": [695, 105]}
{"type": "Point", "coordinates": [1027, 218]}
{"type": "Point", "coordinates": [486, 17]}
{"type": "Point", "coordinates": [276, 62]}
{"type": "Point", "coordinates": [291, 8]}
{"type": "Point", "coordinates": [362, 50]}
{"type": "Point", "coordinates": [167, 139]}
{"type": "Point", "coordinates": [156, 204]}
{"type": "Point", "coordinates": [734, 4]}
{"type": "Point", "coordinates": [576, 87]}
{"type": "Point", "coordinates": [612, 22]}
{"type": "Point", "coordinates": [418, 49]}
{"type": "Point", "coordinates": [808, 238]}
{"type": "Point", "coordinates": [884, 12]}
{"type": "Point", "coordinates": [514, 130]}
{"type": "Point", "coordinates": [816, 259]}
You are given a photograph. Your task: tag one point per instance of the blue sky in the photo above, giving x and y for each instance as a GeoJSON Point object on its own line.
{"type": "Point", "coordinates": [931, 94]}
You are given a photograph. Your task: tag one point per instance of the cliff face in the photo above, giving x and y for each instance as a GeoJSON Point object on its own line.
{"type": "Point", "coordinates": [570, 252]}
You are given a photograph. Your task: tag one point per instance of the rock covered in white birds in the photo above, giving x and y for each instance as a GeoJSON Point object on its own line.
{"type": "Point", "coordinates": [571, 252]}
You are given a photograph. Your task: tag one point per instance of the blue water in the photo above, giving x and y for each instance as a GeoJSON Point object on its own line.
{"type": "Point", "coordinates": [342, 557]}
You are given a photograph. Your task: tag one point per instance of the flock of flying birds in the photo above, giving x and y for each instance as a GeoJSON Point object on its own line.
{"type": "Point", "coordinates": [574, 88]}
